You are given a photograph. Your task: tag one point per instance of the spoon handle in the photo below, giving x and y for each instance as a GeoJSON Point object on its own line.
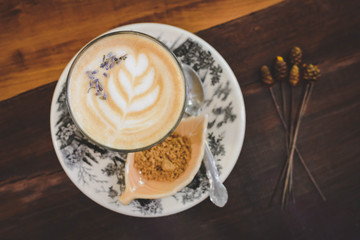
{"type": "Point", "coordinates": [218, 192]}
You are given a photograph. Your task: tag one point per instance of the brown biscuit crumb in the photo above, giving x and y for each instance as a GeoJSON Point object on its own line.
{"type": "Point", "coordinates": [165, 161]}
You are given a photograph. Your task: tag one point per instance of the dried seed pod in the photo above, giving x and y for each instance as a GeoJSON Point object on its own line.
{"type": "Point", "coordinates": [295, 55]}
{"type": "Point", "coordinates": [294, 76]}
{"type": "Point", "coordinates": [266, 76]}
{"type": "Point", "coordinates": [316, 72]}
{"type": "Point", "coordinates": [280, 69]}
{"type": "Point", "coordinates": [311, 72]}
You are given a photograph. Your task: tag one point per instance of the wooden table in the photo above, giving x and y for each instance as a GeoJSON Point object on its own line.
{"type": "Point", "coordinates": [38, 38]}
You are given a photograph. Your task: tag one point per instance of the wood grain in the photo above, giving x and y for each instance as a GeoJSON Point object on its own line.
{"type": "Point", "coordinates": [36, 194]}
{"type": "Point", "coordinates": [38, 38]}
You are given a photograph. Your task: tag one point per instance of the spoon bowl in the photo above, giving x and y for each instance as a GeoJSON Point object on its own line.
{"type": "Point", "coordinates": [195, 91]}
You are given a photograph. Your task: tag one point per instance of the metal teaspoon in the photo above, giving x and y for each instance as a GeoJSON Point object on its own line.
{"type": "Point", "coordinates": [195, 90]}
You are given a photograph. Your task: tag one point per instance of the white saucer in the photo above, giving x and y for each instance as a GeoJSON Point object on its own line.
{"type": "Point", "coordinates": [99, 173]}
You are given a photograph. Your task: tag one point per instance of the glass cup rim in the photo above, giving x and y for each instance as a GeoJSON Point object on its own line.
{"type": "Point", "coordinates": [89, 44]}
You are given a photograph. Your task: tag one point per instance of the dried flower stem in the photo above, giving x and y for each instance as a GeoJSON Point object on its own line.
{"type": "Point", "coordinates": [297, 151]}
{"type": "Point", "coordinates": [307, 170]}
{"type": "Point", "coordinates": [291, 133]}
{"type": "Point", "coordinates": [290, 160]}
{"type": "Point", "coordinates": [291, 152]}
{"type": "Point", "coordinates": [294, 78]}
{"type": "Point", "coordinates": [291, 119]}
{"type": "Point", "coordinates": [310, 86]}
{"type": "Point", "coordinates": [277, 107]}
{"type": "Point", "coordinates": [283, 98]}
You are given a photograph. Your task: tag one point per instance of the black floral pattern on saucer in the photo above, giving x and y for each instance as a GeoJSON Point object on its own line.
{"type": "Point", "coordinates": [103, 170]}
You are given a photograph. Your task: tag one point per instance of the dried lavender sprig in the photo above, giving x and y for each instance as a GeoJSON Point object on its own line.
{"type": "Point", "coordinates": [104, 96]}
{"type": "Point", "coordinates": [108, 62]}
{"type": "Point", "coordinates": [91, 85]}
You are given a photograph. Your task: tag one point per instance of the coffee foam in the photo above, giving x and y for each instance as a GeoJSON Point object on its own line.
{"type": "Point", "coordinates": [146, 93]}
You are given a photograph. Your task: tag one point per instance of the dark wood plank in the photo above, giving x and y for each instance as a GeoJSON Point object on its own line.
{"type": "Point", "coordinates": [325, 30]}
{"type": "Point", "coordinates": [37, 195]}
{"type": "Point", "coordinates": [26, 136]}
{"type": "Point", "coordinates": [39, 37]}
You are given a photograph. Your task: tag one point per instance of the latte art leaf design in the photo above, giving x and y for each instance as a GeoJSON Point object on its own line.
{"type": "Point", "coordinates": [134, 87]}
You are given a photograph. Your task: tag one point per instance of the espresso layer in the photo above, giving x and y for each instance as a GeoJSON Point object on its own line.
{"type": "Point", "coordinates": [145, 92]}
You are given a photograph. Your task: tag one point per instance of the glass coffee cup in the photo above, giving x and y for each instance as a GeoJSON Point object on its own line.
{"type": "Point", "coordinates": [126, 91]}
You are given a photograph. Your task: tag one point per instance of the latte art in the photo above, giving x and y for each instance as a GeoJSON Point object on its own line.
{"type": "Point", "coordinates": [145, 93]}
{"type": "Point", "coordinates": [138, 89]}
